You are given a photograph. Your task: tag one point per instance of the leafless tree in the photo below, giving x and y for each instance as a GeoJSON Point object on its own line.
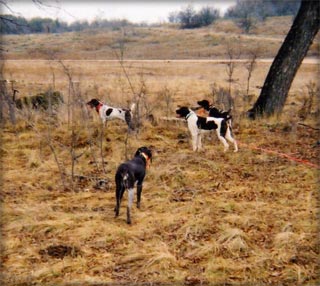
{"type": "Point", "coordinates": [288, 60]}
{"type": "Point", "coordinates": [220, 96]}
{"type": "Point", "coordinates": [233, 54]}
{"type": "Point", "coordinates": [250, 67]}
{"type": "Point", "coordinates": [167, 95]}
{"type": "Point", "coordinates": [7, 100]}
{"type": "Point", "coordinates": [41, 4]}
{"type": "Point", "coordinates": [310, 100]}
{"type": "Point", "coordinates": [135, 98]}
{"type": "Point", "coordinates": [71, 90]}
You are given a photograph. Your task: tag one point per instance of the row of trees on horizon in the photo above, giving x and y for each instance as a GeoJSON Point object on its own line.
{"type": "Point", "coordinates": [245, 13]}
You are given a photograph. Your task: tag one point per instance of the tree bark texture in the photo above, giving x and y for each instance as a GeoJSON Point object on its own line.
{"type": "Point", "coordinates": [288, 60]}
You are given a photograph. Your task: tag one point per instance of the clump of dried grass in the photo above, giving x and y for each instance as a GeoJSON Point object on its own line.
{"type": "Point", "coordinates": [234, 241]}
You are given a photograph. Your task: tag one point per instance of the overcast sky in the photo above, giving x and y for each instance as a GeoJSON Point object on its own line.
{"type": "Point", "coordinates": [135, 11]}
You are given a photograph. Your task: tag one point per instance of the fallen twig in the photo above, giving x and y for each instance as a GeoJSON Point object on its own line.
{"type": "Point", "coordinates": [305, 125]}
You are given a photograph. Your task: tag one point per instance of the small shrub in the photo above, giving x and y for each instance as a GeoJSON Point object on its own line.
{"type": "Point", "coordinates": [221, 97]}
{"type": "Point", "coordinates": [190, 19]}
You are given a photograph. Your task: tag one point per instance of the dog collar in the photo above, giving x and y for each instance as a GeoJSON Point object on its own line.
{"type": "Point", "coordinates": [189, 114]}
{"type": "Point", "coordinates": [98, 107]}
{"type": "Point", "coordinates": [146, 157]}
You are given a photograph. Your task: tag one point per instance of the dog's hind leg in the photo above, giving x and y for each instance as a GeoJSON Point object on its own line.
{"type": "Point", "coordinates": [231, 139]}
{"type": "Point", "coordinates": [119, 194]}
{"type": "Point", "coordinates": [130, 200]}
{"type": "Point", "coordinates": [139, 190]}
{"type": "Point", "coordinates": [223, 140]}
{"type": "Point", "coordinates": [117, 208]}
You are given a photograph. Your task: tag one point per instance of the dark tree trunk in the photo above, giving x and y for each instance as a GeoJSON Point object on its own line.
{"type": "Point", "coordinates": [285, 65]}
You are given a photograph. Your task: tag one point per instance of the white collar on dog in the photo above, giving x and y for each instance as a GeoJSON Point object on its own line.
{"type": "Point", "coordinates": [146, 158]}
{"type": "Point", "coordinates": [144, 155]}
{"type": "Point", "coordinates": [189, 114]}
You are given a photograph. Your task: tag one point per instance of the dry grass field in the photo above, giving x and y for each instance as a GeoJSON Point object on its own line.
{"type": "Point", "coordinates": [206, 218]}
{"type": "Point", "coordinates": [164, 42]}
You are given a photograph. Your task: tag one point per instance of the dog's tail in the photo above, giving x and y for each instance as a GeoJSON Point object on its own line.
{"type": "Point", "coordinates": [133, 107]}
{"type": "Point", "coordinates": [125, 179]}
{"type": "Point", "coordinates": [229, 118]}
{"type": "Point", "coordinates": [128, 117]}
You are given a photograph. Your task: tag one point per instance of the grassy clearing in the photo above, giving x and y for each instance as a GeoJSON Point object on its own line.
{"type": "Point", "coordinates": [185, 80]}
{"type": "Point", "coordinates": [209, 217]}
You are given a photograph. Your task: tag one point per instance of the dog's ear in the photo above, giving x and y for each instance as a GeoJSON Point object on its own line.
{"type": "Point", "coordinates": [204, 103]}
{"type": "Point", "coordinates": [90, 102]}
{"type": "Point", "coordinates": [93, 102]}
{"type": "Point", "coordinates": [138, 152]}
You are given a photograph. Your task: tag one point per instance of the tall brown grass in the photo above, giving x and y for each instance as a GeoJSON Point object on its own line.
{"type": "Point", "coordinates": [209, 217]}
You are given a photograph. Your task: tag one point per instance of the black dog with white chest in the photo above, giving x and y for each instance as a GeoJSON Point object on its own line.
{"type": "Point", "coordinates": [128, 174]}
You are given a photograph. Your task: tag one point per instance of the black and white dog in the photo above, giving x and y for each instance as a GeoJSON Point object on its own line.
{"type": "Point", "coordinates": [214, 111]}
{"type": "Point", "coordinates": [128, 174]}
{"type": "Point", "coordinates": [107, 112]}
{"type": "Point", "coordinates": [197, 125]}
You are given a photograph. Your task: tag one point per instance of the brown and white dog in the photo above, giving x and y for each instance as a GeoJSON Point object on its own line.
{"type": "Point", "coordinates": [107, 112]}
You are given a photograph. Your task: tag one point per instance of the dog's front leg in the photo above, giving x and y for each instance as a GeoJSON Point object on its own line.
{"type": "Point", "coordinates": [195, 142]}
{"type": "Point", "coordinates": [104, 122]}
{"type": "Point", "coordinates": [199, 144]}
{"type": "Point", "coordinates": [139, 190]}
{"type": "Point", "coordinates": [130, 200]}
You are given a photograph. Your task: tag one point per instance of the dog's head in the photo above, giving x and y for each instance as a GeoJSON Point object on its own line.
{"type": "Point", "coordinates": [146, 153]}
{"type": "Point", "coordinates": [218, 113]}
{"type": "Point", "coordinates": [204, 103]}
{"type": "Point", "coordinates": [182, 112]}
{"type": "Point", "coordinates": [93, 103]}
{"type": "Point", "coordinates": [144, 150]}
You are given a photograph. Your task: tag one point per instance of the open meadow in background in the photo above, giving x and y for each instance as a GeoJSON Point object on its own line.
{"type": "Point", "coordinates": [208, 217]}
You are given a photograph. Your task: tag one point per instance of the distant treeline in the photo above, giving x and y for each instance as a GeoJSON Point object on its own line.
{"type": "Point", "coordinates": [10, 24]}
{"type": "Point", "coordinates": [261, 9]}
{"type": "Point", "coordinates": [244, 12]}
